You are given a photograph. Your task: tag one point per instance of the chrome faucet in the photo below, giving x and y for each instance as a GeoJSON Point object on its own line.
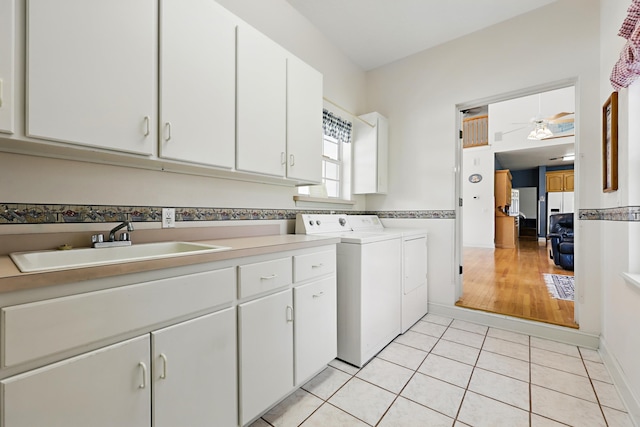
{"type": "Point", "coordinates": [112, 233]}
{"type": "Point", "coordinates": [97, 240]}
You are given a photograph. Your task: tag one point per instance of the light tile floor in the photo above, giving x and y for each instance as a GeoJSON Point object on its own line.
{"type": "Point", "coordinates": [446, 372]}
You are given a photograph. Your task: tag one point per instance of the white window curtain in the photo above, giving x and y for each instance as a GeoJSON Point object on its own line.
{"type": "Point", "coordinates": [336, 127]}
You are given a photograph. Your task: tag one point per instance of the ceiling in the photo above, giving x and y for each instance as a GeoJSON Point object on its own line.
{"type": "Point", "coordinates": [373, 33]}
{"type": "Point", "coordinates": [377, 32]}
{"type": "Point", "coordinates": [531, 158]}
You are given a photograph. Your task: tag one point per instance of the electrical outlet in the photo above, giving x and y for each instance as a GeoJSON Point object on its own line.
{"type": "Point", "coordinates": [168, 217]}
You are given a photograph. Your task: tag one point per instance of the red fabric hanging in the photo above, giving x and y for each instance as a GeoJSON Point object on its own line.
{"type": "Point", "coordinates": [627, 69]}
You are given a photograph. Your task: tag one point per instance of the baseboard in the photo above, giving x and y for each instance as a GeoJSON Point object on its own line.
{"type": "Point", "coordinates": [620, 380]}
{"type": "Point", "coordinates": [514, 324]}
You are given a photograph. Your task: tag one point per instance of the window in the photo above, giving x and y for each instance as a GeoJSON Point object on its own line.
{"type": "Point", "coordinates": [336, 160]}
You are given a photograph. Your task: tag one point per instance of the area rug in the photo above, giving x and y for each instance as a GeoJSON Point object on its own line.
{"type": "Point", "coordinates": [560, 286]}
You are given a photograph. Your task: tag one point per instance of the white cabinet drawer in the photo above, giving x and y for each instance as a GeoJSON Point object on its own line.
{"type": "Point", "coordinates": [38, 329]}
{"type": "Point", "coordinates": [313, 265]}
{"type": "Point", "coordinates": [265, 276]}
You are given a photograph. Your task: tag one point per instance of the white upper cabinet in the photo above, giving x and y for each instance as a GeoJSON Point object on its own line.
{"type": "Point", "coordinates": [92, 73]}
{"type": "Point", "coordinates": [262, 104]}
{"type": "Point", "coordinates": [370, 155]}
{"type": "Point", "coordinates": [197, 82]}
{"type": "Point", "coordinates": [304, 122]}
{"type": "Point", "coordinates": [7, 62]}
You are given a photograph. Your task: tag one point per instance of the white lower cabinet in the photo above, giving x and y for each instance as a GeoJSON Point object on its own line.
{"type": "Point", "coordinates": [315, 327]}
{"type": "Point", "coordinates": [104, 388]}
{"type": "Point", "coordinates": [266, 352]}
{"type": "Point", "coordinates": [194, 372]}
{"type": "Point", "coordinates": [212, 348]}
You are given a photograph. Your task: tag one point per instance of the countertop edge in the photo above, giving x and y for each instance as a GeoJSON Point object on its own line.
{"type": "Point", "coordinates": [11, 279]}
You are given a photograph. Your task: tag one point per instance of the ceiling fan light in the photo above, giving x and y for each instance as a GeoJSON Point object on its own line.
{"type": "Point", "coordinates": [568, 157]}
{"type": "Point", "coordinates": [540, 132]}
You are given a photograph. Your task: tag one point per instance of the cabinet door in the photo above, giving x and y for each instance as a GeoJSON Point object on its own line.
{"type": "Point", "coordinates": [91, 73]}
{"type": "Point", "coordinates": [555, 182]}
{"type": "Point", "coordinates": [316, 327]}
{"type": "Point", "coordinates": [7, 47]}
{"type": "Point", "coordinates": [197, 82]}
{"type": "Point", "coordinates": [104, 388]}
{"type": "Point", "coordinates": [194, 372]}
{"type": "Point", "coordinates": [266, 352]}
{"type": "Point", "coordinates": [370, 156]}
{"type": "Point", "coordinates": [261, 98]}
{"type": "Point", "coordinates": [304, 122]}
{"type": "Point", "coordinates": [568, 181]}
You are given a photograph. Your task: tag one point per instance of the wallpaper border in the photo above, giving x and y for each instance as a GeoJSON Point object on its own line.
{"type": "Point", "coordinates": [35, 213]}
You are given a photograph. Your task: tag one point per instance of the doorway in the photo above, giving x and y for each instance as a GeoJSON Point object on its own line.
{"type": "Point", "coordinates": [505, 272]}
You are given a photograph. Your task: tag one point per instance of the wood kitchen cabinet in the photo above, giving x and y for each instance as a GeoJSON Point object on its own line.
{"type": "Point", "coordinates": [103, 388]}
{"type": "Point", "coordinates": [502, 190]}
{"type": "Point", "coordinates": [560, 181]}
{"type": "Point", "coordinates": [7, 64]}
{"type": "Point", "coordinates": [505, 226]}
{"type": "Point", "coordinates": [197, 82]}
{"type": "Point", "coordinates": [92, 73]}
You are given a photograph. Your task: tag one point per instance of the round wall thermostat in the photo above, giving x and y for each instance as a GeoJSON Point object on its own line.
{"type": "Point", "coordinates": [475, 178]}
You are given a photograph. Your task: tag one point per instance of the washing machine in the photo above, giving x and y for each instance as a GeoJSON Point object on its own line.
{"type": "Point", "coordinates": [369, 271]}
{"type": "Point", "coordinates": [415, 298]}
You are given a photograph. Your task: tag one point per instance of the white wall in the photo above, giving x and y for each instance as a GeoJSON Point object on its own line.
{"type": "Point", "coordinates": [419, 96]}
{"type": "Point", "coordinates": [478, 213]}
{"type": "Point", "coordinates": [27, 179]}
{"type": "Point", "coordinates": [619, 240]}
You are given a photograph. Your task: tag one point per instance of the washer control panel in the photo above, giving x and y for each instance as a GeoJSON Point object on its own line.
{"type": "Point", "coordinates": [321, 223]}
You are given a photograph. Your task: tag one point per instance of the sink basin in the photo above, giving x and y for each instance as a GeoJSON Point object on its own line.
{"type": "Point", "coordinates": [87, 257]}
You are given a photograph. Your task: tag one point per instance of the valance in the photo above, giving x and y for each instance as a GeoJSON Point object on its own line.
{"type": "Point", "coordinates": [336, 127]}
{"type": "Point", "coordinates": [627, 69]}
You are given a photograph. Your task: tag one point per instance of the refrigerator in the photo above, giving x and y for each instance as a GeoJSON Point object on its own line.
{"type": "Point", "coordinates": [559, 202]}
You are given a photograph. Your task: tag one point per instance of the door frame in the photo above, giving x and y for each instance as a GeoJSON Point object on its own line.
{"type": "Point", "coordinates": [459, 211]}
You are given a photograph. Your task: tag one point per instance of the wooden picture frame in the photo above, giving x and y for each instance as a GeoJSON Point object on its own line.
{"type": "Point", "coordinates": [610, 144]}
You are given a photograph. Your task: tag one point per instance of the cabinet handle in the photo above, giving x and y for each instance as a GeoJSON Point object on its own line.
{"type": "Point", "coordinates": [144, 375]}
{"type": "Point", "coordinates": [147, 124]}
{"type": "Point", "coordinates": [292, 160]}
{"type": "Point", "coordinates": [317, 265]}
{"type": "Point", "coordinates": [289, 314]}
{"type": "Point", "coordinates": [273, 276]}
{"type": "Point", "coordinates": [164, 366]}
{"type": "Point", "coordinates": [168, 127]}
{"type": "Point", "coordinates": [1, 93]}
{"type": "Point", "coordinates": [318, 295]}
{"type": "Point", "coordinates": [283, 158]}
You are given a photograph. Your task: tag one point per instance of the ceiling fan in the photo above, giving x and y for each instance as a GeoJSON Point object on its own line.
{"type": "Point", "coordinates": [540, 124]}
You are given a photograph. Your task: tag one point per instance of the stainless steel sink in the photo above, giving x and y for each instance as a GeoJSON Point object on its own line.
{"type": "Point", "coordinates": [75, 258]}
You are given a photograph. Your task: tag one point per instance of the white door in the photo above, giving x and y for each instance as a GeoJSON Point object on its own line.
{"type": "Point", "coordinates": [91, 73]}
{"type": "Point", "coordinates": [104, 388]}
{"type": "Point", "coordinates": [194, 372]}
{"type": "Point", "coordinates": [262, 102]}
{"type": "Point", "coordinates": [304, 122]}
{"type": "Point", "coordinates": [7, 47]}
{"type": "Point", "coordinates": [197, 82]}
{"type": "Point", "coordinates": [266, 352]}
{"type": "Point", "coordinates": [316, 327]}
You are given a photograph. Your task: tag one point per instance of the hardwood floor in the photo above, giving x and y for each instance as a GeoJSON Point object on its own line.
{"type": "Point", "coordinates": [510, 281]}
